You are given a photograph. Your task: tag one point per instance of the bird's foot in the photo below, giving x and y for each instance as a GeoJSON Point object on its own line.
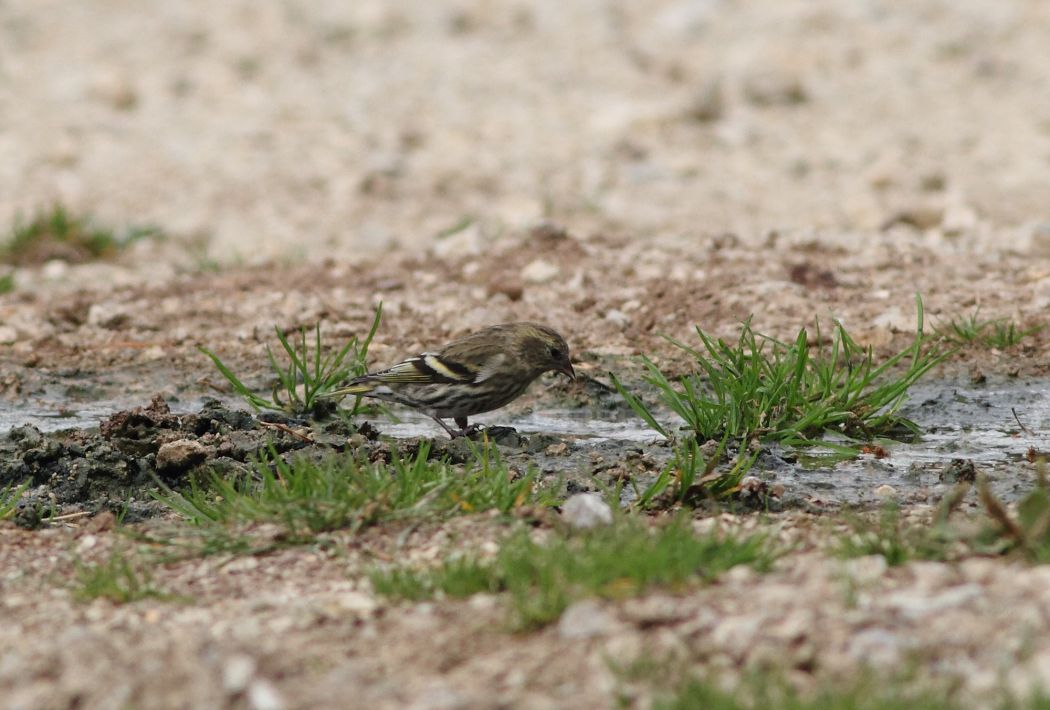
{"type": "Point", "coordinates": [469, 431]}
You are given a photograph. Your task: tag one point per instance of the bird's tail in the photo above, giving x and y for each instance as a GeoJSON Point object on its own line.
{"type": "Point", "coordinates": [359, 386]}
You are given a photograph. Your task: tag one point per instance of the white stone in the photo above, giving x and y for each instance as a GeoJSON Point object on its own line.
{"type": "Point", "coordinates": [237, 673]}
{"type": "Point", "coordinates": [466, 242]}
{"type": "Point", "coordinates": [8, 334]}
{"type": "Point", "coordinates": [586, 619]}
{"type": "Point", "coordinates": [617, 318]}
{"type": "Point", "coordinates": [54, 269]}
{"type": "Point", "coordinates": [263, 696]}
{"type": "Point", "coordinates": [586, 510]}
{"type": "Point", "coordinates": [107, 315]}
{"type": "Point", "coordinates": [886, 491]}
{"type": "Point", "coordinates": [540, 271]}
{"type": "Point", "coordinates": [358, 603]}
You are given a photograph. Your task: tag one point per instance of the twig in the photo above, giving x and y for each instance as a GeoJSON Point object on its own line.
{"type": "Point", "coordinates": [1017, 419]}
{"type": "Point", "coordinates": [68, 516]}
{"type": "Point", "coordinates": [288, 430]}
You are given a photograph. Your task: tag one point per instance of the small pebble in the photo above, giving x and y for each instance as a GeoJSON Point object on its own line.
{"type": "Point", "coordinates": [886, 491]}
{"type": "Point", "coordinates": [584, 511]}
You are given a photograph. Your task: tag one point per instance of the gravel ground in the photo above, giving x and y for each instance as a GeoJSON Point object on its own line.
{"type": "Point", "coordinates": [618, 170]}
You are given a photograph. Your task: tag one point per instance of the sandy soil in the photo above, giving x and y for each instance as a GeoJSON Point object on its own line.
{"type": "Point", "coordinates": [618, 170]}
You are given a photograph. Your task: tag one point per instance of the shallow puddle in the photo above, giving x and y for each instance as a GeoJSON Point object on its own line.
{"type": "Point", "coordinates": [962, 423]}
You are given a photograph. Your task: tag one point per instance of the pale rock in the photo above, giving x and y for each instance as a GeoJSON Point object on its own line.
{"type": "Point", "coordinates": [262, 695]}
{"type": "Point", "coordinates": [107, 315]}
{"type": "Point", "coordinates": [483, 602]}
{"type": "Point", "coordinates": [931, 575]}
{"type": "Point", "coordinates": [896, 320]}
{"type": "Point", "coordinates": [878, 647]}
{"type": "Point", "coordinates": [980, 569]}
{"type": "Point", "coordinates": [114, 88]}
{"type": "Point", "coordinates": [682, 20]}
{"type": "Point", "coordinates": [740, 575]}
{"type": "Point", "coordinates": [465, 242]}
{"type": "Point", "coordinates": [915, 605]}
{"type": "Point", "coordinates": [584, 511]}
{"type": "Point", "coordinates": [8, 335]}
{"type": "Point", "coordinates": [654, 610]}
{"type": "Point", "coordinates": [792, 627]}
{"type": "Point", "coordinates": [358, 603]}
{"type": "Point", "coordinates": [885, 491]}
{"type": "Point", "coordinates": [540, 271]}
{"type": "Point", "coordinates": [959, 219]}
{"type": "Point", "coordinates": [586, 619]}
{"type": "Point", "coordinates": [180, 454]}
{"type": "Point", "coordinates": [54, 269]}
{"type": "Point", "coordinates": [885, 171]}
{"type": "Point", "coordinates": [153, 353]}
{"type": "Point", "coordinates": [866, 570]}
{"type": "Point", "coordinates": [736, 635]}
{"type": "Point", "coordinates": [577, 282]}
{"type": "Point", "coordinates": [237, 673]}
{"type": "Point", "coordinates": [438, 695]}
{"type": "Point", "coordinates": [617, 318]}
{"type": "Point", "coordinates": [1039, 239]}
{"type": "Point", "coordinates": [241, 564]}
{"type": "Point", "coordinates": [623, 648]}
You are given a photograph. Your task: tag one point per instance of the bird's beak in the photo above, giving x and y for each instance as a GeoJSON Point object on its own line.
{"type": "Point", "coordinates": [567, 370]}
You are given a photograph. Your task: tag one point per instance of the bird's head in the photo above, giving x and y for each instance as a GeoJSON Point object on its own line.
{"type": "Point", "coordinates": [542, 349]}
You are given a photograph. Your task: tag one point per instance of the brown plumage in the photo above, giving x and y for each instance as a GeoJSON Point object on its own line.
{"type": "Point", "coordinates": [476, 373]}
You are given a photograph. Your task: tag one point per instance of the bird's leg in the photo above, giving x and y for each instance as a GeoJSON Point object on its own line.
{"type": "Point", "coordinates": [452, 433]}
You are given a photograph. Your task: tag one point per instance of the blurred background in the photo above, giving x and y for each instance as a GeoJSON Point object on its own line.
{"type": "Point", "coordinates": [321, 129]}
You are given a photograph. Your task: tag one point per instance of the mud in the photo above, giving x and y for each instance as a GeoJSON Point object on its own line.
{"type": "Point", "coordinates": [583, 439]}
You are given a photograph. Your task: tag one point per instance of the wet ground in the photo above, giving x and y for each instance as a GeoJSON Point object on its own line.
{"type": "Point", "coordinates": [110, 454]}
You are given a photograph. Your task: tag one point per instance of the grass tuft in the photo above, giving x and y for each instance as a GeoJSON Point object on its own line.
{"type": "Point", "coordinates": [59, 234]}
{"type": "Point", "coordinates": [690, 476]}
{"type": "Point", "coordinates": [899, 542]}
{"type": "Point", "coordinates": [1028, 531]}
{"type": "Point", "coordinates": [457, 578]}
{"type": "Point", "coordinates": [305, 498]}
{"type": "Point", "coordinates": [118, 579]}
{"type": "Point", "coordinates": [999, 333]}
{"type": "Point", "coordinates": [307, 365]}
{"type": "Point", "coordinates": [760, 691]}
{"type": "Point", "coordinates": [543, 579]}
{"type": "Point", "coordinates": [10, 496]}
{"type": "Point", "coordinates": [760, 387]}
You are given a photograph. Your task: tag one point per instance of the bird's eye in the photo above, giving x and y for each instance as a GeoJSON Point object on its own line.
{"type": "Point", "coordinates": [555, 353]}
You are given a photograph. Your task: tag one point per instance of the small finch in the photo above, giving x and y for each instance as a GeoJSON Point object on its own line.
{"type": "Point", "coordinates": [476, 373]}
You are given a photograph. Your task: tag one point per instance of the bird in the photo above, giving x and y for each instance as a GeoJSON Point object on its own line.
{"type": "Point", "coordinates": [476, 373]}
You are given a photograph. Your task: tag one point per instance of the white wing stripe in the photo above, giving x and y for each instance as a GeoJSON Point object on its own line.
{"type": "Point", "coordinates": [435, 364]}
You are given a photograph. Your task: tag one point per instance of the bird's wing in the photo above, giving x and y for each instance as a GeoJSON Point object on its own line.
{"type": "Point", "coordinates": [491, 367]}
{"type": "Point", "coordinates": [426, 368]}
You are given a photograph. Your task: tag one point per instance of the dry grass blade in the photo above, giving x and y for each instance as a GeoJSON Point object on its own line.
{"type": "Point", "coordinates": [998, 512]}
